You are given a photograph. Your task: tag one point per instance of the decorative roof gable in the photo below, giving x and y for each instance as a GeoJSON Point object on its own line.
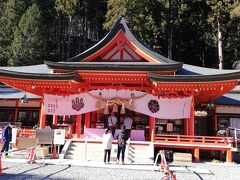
{"type": "Point", "coordinates": [120, 45]}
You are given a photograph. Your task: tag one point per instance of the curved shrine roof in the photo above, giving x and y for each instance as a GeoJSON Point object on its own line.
{"type": "Point", "coordinates": [36, 72]}
{"type": "Point", "coordinates": [183, 72]}
{"type": "Point", "coordinates": [113, 66]}
{"type": "Point", "coordinates": [121, 25]}
{"type": "Point", "coordinates": [190, 73]}
{"type": "Point", "coordinates": [10, 93]}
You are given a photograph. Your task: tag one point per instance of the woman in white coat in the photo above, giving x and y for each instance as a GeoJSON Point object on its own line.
{"type": "Point", "coordinates": [107, 144]}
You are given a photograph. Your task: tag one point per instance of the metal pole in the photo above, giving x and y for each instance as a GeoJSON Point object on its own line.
{"type": "Point", "coordinates": [235, 137]}
{"type": "Point", "coordinates": [58, 150]}
{"type": "Point", "coordinates": [85, 149]}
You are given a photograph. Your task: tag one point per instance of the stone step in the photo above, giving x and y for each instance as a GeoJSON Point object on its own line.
{"type": "Point", "coordinates": [133, 153]}
{"type": "Point", "coordinates": [76, 148]}
{"type": "Point", "coordinates": [19, 155]}
{"type": "Point", "coordinates": [74, 157]}
{"type": "Point", "coordinates": [182, 157]}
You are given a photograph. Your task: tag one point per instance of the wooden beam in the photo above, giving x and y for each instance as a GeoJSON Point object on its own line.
{"type": "Point", "coordinates": [78, 125]}
{"type": "Point", "coordinates": [152, 121]}
{"type": "Point", "coordinates": [42, 117]}
{"type": "Point", "coordinates": [191, 120]}
{"type": "Point", "coordinates": [87, 119]}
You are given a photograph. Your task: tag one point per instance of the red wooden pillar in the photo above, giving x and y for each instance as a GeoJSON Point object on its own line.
{"type": "Point", "coordinates": [221, 155]}
{"type": "Point", "coordinates": [94, 119]}
{"type": "Point", "coordinates": [55, 119]}
{"type": "Point", "coordinates": [196, 154]}
{"type": "Point", "coordinates": [87, 119]}
{"type": "Point", "coordinates": [152, 121]}
{"type": "Point", "coordinates": [78, 125]}
{"type": "Point", "coordinates": [42, 117]}
{"type": "Point", "coordinates": [215, 123]}
{"type": "Point", "coordinates": [64, 119]}
{"type": "Point", "coordinates": [191, 120]}
{"type": "Point", "coordinates": [229, 156]}
{"type": "Point", "coordinates": [16, 115]}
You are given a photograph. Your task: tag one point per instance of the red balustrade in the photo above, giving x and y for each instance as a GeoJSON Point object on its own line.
{"type": "Point", "coordinates": [30, 133]}
{"type": "Point", "coordinates": [194, 140]}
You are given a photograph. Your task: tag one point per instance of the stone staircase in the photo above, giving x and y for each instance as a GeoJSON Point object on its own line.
{"type": "Point", "coordinates": [88, 152]}
{"type": "Point", "coordinates": [135, 153]}
{"type": "Point", "coordinates": [139, 154]}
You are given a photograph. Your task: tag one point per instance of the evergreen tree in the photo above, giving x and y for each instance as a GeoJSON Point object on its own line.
{"type": "Point", "coordinates": [219, 18]}
{"type": "Point", "coordinates": [192, 40]}
{"type": "Point", "coordinates": [234, 41]}
{"type": "Point", "coordinates": [145, 18]}
{"type": "Point", "coordinates": [68, 8]}
{"type": "Point", "coordinates": [79, 25]}
{"type": "Point", "coordinates": [49, 14]}
{"type": "Point", "coordinates": [12, 11]}
{"type": "Point", "coordinates": [27, 45]}
{"type": "Point", "coordinates": [236, 10]}
{"type": "Point", "coordinates": [115, 8]}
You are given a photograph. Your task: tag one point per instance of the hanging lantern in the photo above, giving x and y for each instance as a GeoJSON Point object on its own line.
{"type": "Point", "coordinates": [115, 108]}
{"type": "Point", "coordinates": [122, 109]}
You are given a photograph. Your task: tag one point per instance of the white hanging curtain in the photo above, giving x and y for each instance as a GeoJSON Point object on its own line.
{"type": "Point", "coordinates": [164, 108]}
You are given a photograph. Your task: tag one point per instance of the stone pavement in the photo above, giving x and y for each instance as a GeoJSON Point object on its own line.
{"type": "Point", "coordinates": [62, 169]}
{"type": "Point", "coordinates": [112, 165]}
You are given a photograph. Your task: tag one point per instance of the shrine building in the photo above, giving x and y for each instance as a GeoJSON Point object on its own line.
{"type": "Point", "coordinates": [173, 105]}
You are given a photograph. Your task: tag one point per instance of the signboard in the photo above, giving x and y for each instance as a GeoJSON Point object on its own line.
{"type": "Point", "coordinates": [44, 136]}
{"type": "Point", "coordinates": [14, 135]}
{"type": "Point", "coordinates": [59, 136]}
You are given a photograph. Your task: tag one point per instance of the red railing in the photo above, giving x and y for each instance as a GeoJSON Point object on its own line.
{"type": "Point", "coordinates": [194, 140]}
{"type": "Point", "coordinates": [30, 133]}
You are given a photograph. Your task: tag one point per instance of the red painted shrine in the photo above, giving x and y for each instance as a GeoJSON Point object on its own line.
{"type": "Point", "coordinates": [122, 63]}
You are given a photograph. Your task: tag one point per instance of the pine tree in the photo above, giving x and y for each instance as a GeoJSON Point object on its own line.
{"type": "Point", "coordinates": [27, 45]}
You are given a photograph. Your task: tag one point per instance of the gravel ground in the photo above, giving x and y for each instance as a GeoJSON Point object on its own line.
{"type": "Point", "coordinates": [38, 171]}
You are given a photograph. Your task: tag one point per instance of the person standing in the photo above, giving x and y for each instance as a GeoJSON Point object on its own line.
{"type": "Point", "coordinates": [6, 138]}
{"type": "Point", "coordinates": [122, 138]}
{"type": "Point", "coordinates": [107, 144]}
{"type": "Point", "coordinates": [112, 122]}
{"type": "Point", "coordinates": [128, 123]}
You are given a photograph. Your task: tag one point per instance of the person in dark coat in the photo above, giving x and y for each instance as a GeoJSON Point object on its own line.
{"type": "Point", "coordinates": [6, 138]}
{"type": "Point", "coordinates": [122, 138]}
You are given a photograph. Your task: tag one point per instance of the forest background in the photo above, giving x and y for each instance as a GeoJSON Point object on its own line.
{"type": "Point", "coordinates": [198, 32]}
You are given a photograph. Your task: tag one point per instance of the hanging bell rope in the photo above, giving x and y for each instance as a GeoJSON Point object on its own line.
{"type": "Point", "coordinates": [122, 109]}
{"type": "Point", "coordinates": [115, 108]}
